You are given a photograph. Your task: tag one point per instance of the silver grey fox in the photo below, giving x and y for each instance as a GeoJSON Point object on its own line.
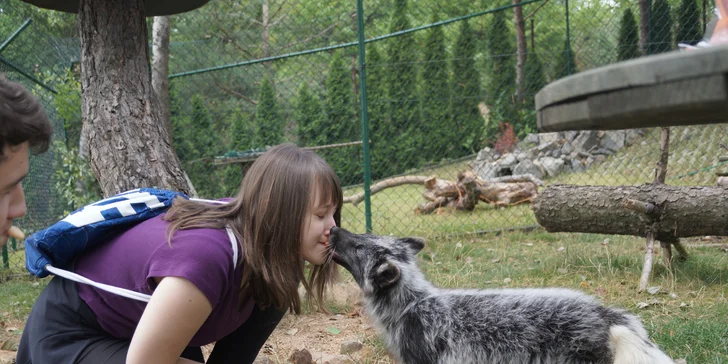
{"type": "Point", "coordinates": [421, 323]}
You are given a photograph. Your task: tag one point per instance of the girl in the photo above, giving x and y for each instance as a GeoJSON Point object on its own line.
{"type": "Point", "coordinates": [287, 204]}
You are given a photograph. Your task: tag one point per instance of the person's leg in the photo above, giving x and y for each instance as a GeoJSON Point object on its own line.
{"type": "Point", "coordinates": [243, 344]}
{"type": "Point", "coordinates": [62, 329]}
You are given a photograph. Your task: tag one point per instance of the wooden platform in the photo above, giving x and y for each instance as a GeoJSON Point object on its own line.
{"type": "Point", "coordinates": [674, 88]}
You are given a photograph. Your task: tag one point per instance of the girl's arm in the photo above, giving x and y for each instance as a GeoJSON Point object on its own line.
{"type": "Point", "coordinates": [175, 312]}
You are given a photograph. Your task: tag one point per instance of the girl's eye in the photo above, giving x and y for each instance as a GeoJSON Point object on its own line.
{"type": "Point", "coordinates": [320, 216]}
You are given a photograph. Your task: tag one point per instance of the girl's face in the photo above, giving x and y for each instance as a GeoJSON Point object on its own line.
{"type": "Point", "coordinates": [316, 229]}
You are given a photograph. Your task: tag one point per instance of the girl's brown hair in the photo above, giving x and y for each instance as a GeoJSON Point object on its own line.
{"type": "Point", "coordinates": [267, 216]}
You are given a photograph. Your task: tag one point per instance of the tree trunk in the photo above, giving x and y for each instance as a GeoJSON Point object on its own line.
{"type": "Point", "coordinates": [160, 68]}
{"type": "Point", "coordinates": [521, 49]}
{"type": "Point", "coordinates": [678, 211]}
{"type": "Point", "coordinates": [644, 25]}
{"type": "Point", "coordinates": [121, 115]}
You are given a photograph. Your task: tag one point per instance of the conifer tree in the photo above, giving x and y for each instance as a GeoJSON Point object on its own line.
{"type": "Point", "coordinates": [436, 118]}
{"type": "Point", "coordinates": [309, 116]}
{"type": "Point", "coordinates": [341, 122]}
{"type": "Point", "coordinates": [660, 28]}
{"type": "Point", "coordinates": [402, 88]}
{"type": "Point", "coordinates": [688, 23]}
{"type": "Point", "coordinates": [502, 74]}
{"type": "Point", "coordinates": [628, 46]}
{"type": "Point", "coordinates": [268, 123]}
{"type": "Point", "coordinates": [466, 92]}
{"type": "Point", "coordinates": [565, 62]}
{"type": "Point", "coordinates": [380, 130]}
{"type": "Point", "coordinates": [535, 80]}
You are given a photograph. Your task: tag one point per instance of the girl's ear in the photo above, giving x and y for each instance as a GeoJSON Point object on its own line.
{"type": "Point", "coordinates": [415, 244]}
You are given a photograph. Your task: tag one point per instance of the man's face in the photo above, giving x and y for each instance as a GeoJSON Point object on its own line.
{"type": "Point", "coordinates": [13, 169]}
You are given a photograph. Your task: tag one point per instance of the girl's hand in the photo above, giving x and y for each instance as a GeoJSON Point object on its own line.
{"type": "Point", "coordinates": [175, 312]}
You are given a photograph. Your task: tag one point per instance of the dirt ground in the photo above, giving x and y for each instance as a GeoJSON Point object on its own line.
{"type": "Point", "coordinates": [322, 335]}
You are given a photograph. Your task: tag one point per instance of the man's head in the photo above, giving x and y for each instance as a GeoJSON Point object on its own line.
{"type": "Point", "coordinates": [24, 127]}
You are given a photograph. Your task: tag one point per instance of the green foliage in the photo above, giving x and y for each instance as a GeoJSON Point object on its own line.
{"type": "Point", "coordinates": [436, 117]}
{"type": "Point", "coordinates": [309, 116]}
{"type": "Point", "coordinates": [628, 40]}
{"type": "Point", "coordinates": [68, 106]}
{"type": "Point", "coordinates": [243, 131]}
{"type": "Point", "coordinates": [268, 123]}
{"type": "Point", "coordinates": [378, 114]}
{"type": "Point", "coordinates": [660, 28]}
{"type": "Point", "coordinates": [341, 124]}
{"type": "Point", "coordinates": [73, 182]}
{"type": "Point", "coordinates": [688, 23]}
{"type": "Point", "coordinates": [403, 130]}
{"type": "Point", "coordinates": [466, 93]}
{"type": "Point", "coordinates": [534, 80]}
{"type": "Point", "coordinates": [565, 62]}
{"type": "Point", "coordinates": [502, 71]}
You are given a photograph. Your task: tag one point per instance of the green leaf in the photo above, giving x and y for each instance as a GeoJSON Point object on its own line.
{"type": "Point", "coordinates": [333, 331]}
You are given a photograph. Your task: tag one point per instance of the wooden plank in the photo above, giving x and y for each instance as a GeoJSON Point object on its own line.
{"type": "Point", "coordinates": [701, 100]}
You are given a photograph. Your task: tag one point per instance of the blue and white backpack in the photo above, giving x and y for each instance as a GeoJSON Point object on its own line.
{"type": "Point", "coordinates": [54, 248]}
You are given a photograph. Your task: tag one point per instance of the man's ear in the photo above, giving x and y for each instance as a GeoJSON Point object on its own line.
{"type": "Point", "coordinates": [415, 244]}
{"type": "Point", "coordinates": [386, 275]}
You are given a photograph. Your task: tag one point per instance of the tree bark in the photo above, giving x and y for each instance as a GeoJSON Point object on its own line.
{"type": "Point", "coordinates": [521, 49]}
{"type": "Point", "coordinates": [121, 115]}
{"type": "Point", "coordinates": [678, 211]}
{"type": "Point", "coordinates": [160, 68]}
{"type": "Point", "coordinates": [644, 25]}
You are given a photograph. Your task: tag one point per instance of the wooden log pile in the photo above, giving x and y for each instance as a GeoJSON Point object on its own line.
{"type": "Point", "coordinates": [464, 193]}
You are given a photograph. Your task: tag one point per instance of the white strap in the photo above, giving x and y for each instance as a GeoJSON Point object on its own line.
{"type": "Point", "coordinates": [129, 293]}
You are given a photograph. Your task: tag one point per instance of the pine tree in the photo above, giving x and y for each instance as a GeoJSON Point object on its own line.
{"type": "Point", "coordinates": [436, 118]}
{"type": "Point", "coordinates": [628, 46]}
{"type": "Point", "coordinates": [565, 62]}
{"type": "Point", "coordinates": [341, 122]}
{"type": "Point", "coordinates": [309, 116]}
{"type": "Point", "coordinates": [502, 69]}
{"type": "Point", "coordinates": [243, 131]}
{"type": "Point", "coordinates": [380, 128]}
{"type": "Point", "coordinates": [268, 123]}
{"type": "Point", "coordinates": [660, 28]}
{"type": "Point", "coordinates": [535, 80]}
{"type": "Point", "coordinates": [466, 92]}
{"type": "Point", "coordinates": [688, 23]}
{"type": "Point", "coordinates": [402, 85]}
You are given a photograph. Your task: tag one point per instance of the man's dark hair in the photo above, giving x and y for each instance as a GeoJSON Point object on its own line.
{"type": "Point", "coordinates": [22, 118]}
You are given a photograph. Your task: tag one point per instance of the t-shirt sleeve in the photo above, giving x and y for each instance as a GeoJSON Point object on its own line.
{"type": "Point", "coordinates": [202, 256]}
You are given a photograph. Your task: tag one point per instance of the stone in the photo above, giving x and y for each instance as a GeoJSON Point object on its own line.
{"type": "Point", "coordinates": [553, 166]}
{"type": "Point", "coordinates": [586, 141]}
{"type": "Point", "coordinates": [528, 167]}
{"type": "Point", "coordinates": [350, 346]}
{"type": "Point", "coordinates": [302, 356]}
{"type": "Point", "coordinates": [613, 140]}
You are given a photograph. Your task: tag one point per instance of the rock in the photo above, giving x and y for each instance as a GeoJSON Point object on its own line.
{"type": "Point", "coordinates": [528, 167]}
{"type": "Point", "coordinates": [486, 154]}
{"type": "Point", "coordinates": [7, 357]}
{"type": "Point", "coordinates": [613, 140]}
{"type": "Point", "coordinates": [549, 137]}
{"type": "Point", "coordinates": [586, 141]}
{"type": "Point", "coordinates": [262, 359]}
{"type": "Point", "coordinates": [553, 166]}
{"type": "Point", "coordinates": [302, 356]}
{"type": "Point", "coordinates": [532, 139]}
{"type": "Point", "coordinates": [723, 181]}
{"type": "Point", "coordinates": [567, 148]}
{"type": "Point", "coordinates": [485, 170]}
{"type": "Point", "coordinates": [350, 346]}
{"type": "Point", "coordinates": [508, 161]}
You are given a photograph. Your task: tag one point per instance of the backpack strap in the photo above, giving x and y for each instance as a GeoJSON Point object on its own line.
{"type": "Point", "coordinates": [129, 293]}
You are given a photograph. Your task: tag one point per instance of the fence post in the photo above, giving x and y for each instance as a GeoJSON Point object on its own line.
{"type": "Point", "coordinates": [364, 120]}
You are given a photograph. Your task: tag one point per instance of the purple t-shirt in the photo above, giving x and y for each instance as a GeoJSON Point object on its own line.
{"type": "Point", "coordinates": [134, 258]}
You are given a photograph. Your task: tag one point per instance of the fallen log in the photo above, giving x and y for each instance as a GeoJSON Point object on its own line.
{"type": "Point", "coordinates": [387, 183]}
{"type": "Point", "coordinates": [677, 211]}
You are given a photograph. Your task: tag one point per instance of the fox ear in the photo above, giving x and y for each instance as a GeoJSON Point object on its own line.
{"type": "Point", "coordinates": [386, 275]}
{"type": "Point", "coordinates": [415, 244]}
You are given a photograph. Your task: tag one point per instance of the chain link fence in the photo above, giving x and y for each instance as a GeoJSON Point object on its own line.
{"type": "Point", "coordinates": [450, 91]}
